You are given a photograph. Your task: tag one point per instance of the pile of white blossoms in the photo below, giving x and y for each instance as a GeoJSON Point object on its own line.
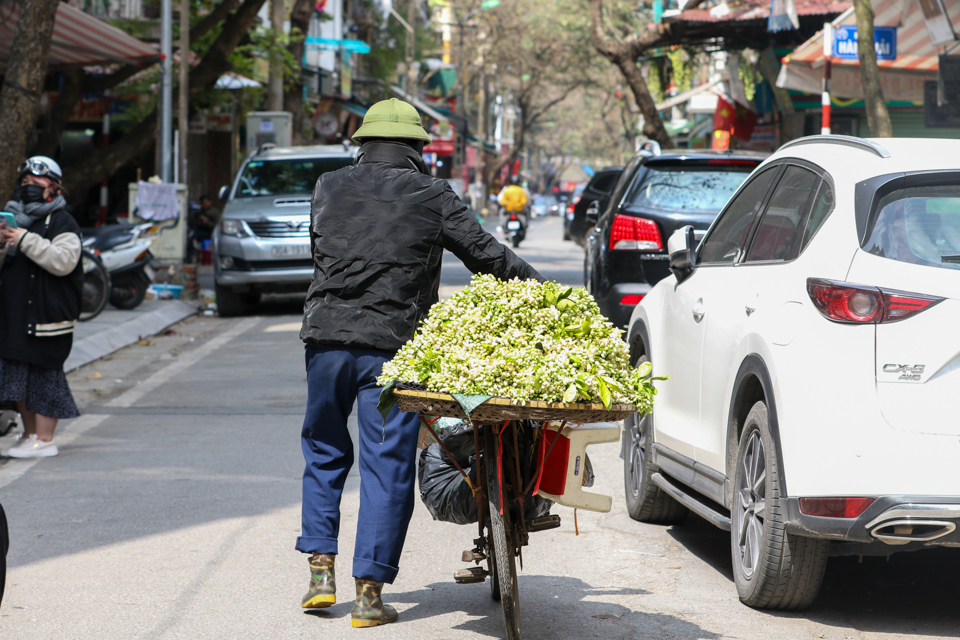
{"type": "Point", "coordinates": [522, 340]}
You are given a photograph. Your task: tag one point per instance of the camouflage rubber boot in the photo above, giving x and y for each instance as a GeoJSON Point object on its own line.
{"type": "Point", "coordinates": [323, 585]}
{"type": "Point", "coordinates": [369, 611]}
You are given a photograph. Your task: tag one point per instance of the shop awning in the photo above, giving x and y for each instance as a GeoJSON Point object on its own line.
{"type": "Point", "coordinates": [421, 106]}
{"type": "Point", "coordinates": [901, 79]}
{"type": "Point", "coordinates": [79, 39]}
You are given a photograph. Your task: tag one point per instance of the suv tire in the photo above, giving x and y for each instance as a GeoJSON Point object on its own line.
{"type": "Point", "coordinates": [646, 502]}
{"type": "Point", "coordinates": [772, 569]}
{"type": "Point", "coordinates": [230, 303]}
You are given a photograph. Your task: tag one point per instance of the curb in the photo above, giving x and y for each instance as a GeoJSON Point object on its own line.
{"type": "Point", "coordinates": [104, 343]}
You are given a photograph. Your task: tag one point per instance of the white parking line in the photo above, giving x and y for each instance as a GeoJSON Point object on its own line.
{"type": "Point", "coordinates": [184, 362]}
{"type": "Point", "coordinates": [14, 469]}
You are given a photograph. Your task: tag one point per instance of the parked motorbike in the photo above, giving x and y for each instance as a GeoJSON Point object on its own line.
{"type": "Point", "coordinates": [125, 252]}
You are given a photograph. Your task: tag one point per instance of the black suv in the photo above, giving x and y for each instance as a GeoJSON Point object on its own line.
{"type": "Point", "coordinates": [658, 192]}
{"type": "Point", "coordinates": [597, 192]}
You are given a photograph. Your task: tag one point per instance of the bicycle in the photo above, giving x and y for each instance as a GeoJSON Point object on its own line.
{"type": "Point", "coordinates": [524, 450]}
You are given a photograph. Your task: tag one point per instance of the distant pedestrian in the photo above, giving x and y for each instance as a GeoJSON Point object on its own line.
{"type": "Point", "coordinates": [41, 282]}
{"type": "Point", "coordinates": [204, 221]}
{"type": "Point", "coordinates": [378, 231]}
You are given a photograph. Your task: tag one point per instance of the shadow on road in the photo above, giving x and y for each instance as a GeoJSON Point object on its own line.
{"type": "Point", "coordinates": [551, 607]}
{"type": "Point", "coordinates": [910, 593]}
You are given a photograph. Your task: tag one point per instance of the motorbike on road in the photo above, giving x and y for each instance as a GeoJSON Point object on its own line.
{"type": "Point", "coordinates": [515, 228]}
{"type": "Point", "coordinates": [124, 250]}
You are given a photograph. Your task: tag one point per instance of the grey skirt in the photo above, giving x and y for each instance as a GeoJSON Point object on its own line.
{"type": "Point", "coordinates": [45, 391]}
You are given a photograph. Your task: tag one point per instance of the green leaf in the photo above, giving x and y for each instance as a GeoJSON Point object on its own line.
{"type": "Point", "coordinates": [605, 396]}
{"type": "Point", "coordinates": [570, 395]}
{"type": "Point", "coordinates": [565, 294]}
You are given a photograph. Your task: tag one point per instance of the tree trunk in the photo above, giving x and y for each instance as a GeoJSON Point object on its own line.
{"type": "Point", "coordinates": [293, 98]}
{"type": "Point", "coordinates": [142, 137]}
{"type": "Point", "coordinates": [275, 81]}
{"type": "Point", "coordinates": [69, 95]}
{"type": "Point", "coordinates": [652, 123]}
{"type": "Point", "coordinates": [22, 86]}
{"type": "Point", "coordinates": [878, 117]}
{"type": "Point", "coordinates": [624, 54]}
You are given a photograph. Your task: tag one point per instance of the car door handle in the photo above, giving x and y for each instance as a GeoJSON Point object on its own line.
{"type": "Point", "coordinates": [749, 309]}
{"type": "Point", "coordinates": [698, 311]}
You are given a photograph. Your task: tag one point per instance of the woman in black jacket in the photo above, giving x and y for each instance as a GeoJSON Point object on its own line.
{"type": "Point", "coordinates": [41, 282]}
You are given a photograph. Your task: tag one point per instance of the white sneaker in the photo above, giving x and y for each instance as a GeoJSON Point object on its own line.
{"type": "Point", "coordinates": [32, 447]}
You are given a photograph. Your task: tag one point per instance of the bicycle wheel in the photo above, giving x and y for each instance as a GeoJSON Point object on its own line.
{"type": "Point", "coordinates": [96, 286]}
{"type": "Point", "coordinates": [503, 542]}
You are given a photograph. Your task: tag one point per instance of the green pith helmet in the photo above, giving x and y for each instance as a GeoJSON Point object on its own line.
{"type": "Point", "coordinates": [391, 119]}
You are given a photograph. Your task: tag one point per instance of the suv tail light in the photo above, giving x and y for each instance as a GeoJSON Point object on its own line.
{"type": "Point", "coordinates": [631, 299]}
{"type": "Point", "coordinates": [638, 234]}
{"type": "Point", "coordinates": [834, 507]}
{"type": "Point", "coordinates": [858, 304]}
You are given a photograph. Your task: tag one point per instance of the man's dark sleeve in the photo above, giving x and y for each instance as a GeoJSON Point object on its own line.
{"type": "Point", "coordinates": [478, 250]}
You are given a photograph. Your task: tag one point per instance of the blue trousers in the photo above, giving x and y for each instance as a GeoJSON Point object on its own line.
{"type": "Point", "coordinates": [388, 457]}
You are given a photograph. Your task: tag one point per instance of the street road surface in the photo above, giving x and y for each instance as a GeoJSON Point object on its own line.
{"type": "Point", "coordinates": [173, 509]}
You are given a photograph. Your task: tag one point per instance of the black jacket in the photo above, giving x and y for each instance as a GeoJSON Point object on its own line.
{"type": "Point", "coordinates": [38, 310]}
{"type": "Point", "coordinates": [378, 231]}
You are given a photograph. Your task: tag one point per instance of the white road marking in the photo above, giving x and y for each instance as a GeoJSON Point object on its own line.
{"type": "Point", "coordinates": [184, 362]}
{"type": "Point", "coordinates": [15, 468]}
{"type": "Point", "coordinates": [287, 326]}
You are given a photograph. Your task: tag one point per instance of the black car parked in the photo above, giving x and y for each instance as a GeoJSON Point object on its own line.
{"type": "Point", "coordinates": [658, 192]}
{"type": "Point", "coordinates": [597, 192]}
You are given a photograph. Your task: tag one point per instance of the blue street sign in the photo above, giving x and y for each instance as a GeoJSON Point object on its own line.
{"type": "Point", "coordinates": [330, 44]}
{"type": "Point", "coordinates": [845, 42]}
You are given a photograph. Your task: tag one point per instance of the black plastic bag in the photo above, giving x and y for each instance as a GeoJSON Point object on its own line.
{"type": "Point", "coordinates": [443, 489]}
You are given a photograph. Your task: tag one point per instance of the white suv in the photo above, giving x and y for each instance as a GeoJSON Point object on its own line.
{"type": "Point", "coordinates": [814, 365]}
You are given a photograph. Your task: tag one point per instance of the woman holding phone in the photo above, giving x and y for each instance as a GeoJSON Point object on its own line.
{"type": "Point", "coordinates": [41, 282]}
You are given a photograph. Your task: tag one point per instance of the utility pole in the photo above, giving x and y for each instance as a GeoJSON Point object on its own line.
{"type": "Point", "coordinates": [411, 53]}
{"type": "Point", "coordinates": [480, 177]}
{"type": "Point", "coordinates": [166, 90]}
{"type": "Point", "coordinates": [184, 111]}
{"type": "Point", "coordinates": [275, 83]}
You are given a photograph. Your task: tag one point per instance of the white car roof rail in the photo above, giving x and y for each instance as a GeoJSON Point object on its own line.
{"type": "Point", "coordinates": [650, 148]}
{"type": "Point", "coordinates": [847, 141]}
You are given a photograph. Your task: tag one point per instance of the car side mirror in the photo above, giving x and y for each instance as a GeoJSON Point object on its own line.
{"type": "Point", "coordinates": [682, 249]}
{"type": "Point", "coordinates": [223, 193]}
{"type": "Point", "coordinates": [593, 212]}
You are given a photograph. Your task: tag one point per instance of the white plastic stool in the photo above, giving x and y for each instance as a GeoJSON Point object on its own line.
{"type": "Point", "coordinates": [579, 438]}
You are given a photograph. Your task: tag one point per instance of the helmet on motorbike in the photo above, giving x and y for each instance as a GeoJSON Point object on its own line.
{"type": "Point", "coordinates": [41, 166]}
{"type": "Point", "coordinates": [391, 119]}
{"type": "Point", "coordinates": [514, 180]}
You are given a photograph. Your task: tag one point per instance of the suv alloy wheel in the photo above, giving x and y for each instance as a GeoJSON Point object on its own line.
{"type": "Point", "coordinates": [772, 569]}
{"type": "Point", "coordinates": [646, 502]}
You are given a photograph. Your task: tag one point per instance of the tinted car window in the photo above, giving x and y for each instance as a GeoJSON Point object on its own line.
{"type": "Point", "coordinates": [918, 225]}
{"type": "Point", "coordinates": [686, 188]}
{"type": "Point", "coordinates": [605, 183]}
{"type": "Point", "coordinates": [284, 177]}
{"type": "Point", "coordinates": [726, 239]}
{"type": "Point", "coordinates": [778, 234]}
{"type": "Point", "coordinates": [822, 207]}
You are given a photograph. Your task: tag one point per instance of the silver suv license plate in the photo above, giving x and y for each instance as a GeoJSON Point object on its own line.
{"type": "Point", "coordinates": [290, 250]}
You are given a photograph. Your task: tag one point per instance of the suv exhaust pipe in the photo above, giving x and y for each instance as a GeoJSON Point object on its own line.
{"type": "Point", "coordinates": [905, 531]}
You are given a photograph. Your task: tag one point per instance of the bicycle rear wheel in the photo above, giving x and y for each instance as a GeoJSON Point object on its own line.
{"type": "Point", "coordinates": [96, 286]}
{"type": "Point", "coordinates": [502, 541]}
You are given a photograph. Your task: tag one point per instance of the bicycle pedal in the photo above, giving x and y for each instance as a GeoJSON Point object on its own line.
{"type": "Point", "coordinates": [543, 523]}
{"type": "Point", "coordinates": [472, 555]}
{"type": "Point", "coordinates": [470, 576]}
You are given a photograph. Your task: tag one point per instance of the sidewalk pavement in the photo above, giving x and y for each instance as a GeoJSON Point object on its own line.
{"type": "Point", "coordinates": [114, 329]}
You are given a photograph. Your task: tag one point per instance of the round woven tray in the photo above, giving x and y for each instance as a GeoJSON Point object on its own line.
{"type": "Point", "coordinates": [500, 409]}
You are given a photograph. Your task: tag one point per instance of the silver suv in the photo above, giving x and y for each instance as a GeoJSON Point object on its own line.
{"type": "Point", "coordinates": [262, 244]}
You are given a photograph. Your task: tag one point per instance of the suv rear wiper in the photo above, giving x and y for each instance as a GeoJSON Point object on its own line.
{"type": "Point", "coordinates": [954, 258]}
